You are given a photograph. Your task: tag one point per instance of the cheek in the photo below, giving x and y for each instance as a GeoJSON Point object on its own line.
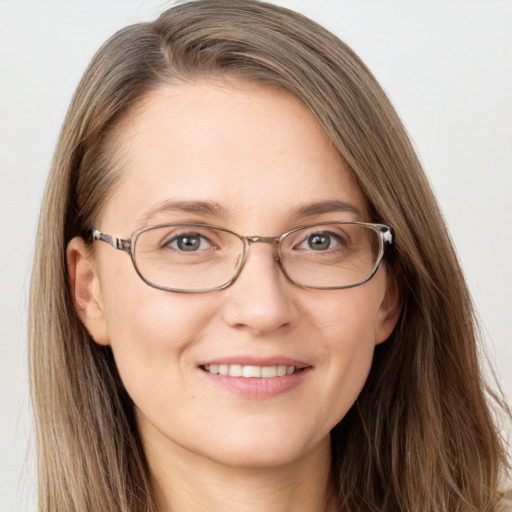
{"type": "Point", "coordinates": [152, 332]}
{"type": "Point", "coordinates": [348, 318]}
{"type": "Point", "coordinates": [347, 325]}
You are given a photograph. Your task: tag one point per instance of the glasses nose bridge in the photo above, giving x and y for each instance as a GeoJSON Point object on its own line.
{"type": "Point", "coordinates": [262, 240]}
{"type": "Point", "coordinates": [272, 240]}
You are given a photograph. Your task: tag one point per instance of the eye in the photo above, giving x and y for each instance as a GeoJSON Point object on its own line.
{"type": "Point", "coordinates": [321, 241]}
{"type": "Point", "coordinates": [188, 242]}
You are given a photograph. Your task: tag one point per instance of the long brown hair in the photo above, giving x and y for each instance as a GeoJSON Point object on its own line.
{"type": "Point", "coordinates": [421, 435]}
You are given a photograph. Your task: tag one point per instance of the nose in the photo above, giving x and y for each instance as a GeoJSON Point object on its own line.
{"type": "Point", "coordinates": [261, 299]}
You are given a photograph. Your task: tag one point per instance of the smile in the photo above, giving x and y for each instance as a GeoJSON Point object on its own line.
{"type": "Point", "coordinates": [250, 371]}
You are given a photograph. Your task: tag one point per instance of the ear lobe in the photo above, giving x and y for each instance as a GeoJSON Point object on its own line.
{"type": "Point", "coordinates": [389, 312]}
{"type": "Point", "coordinates": [86, 290]}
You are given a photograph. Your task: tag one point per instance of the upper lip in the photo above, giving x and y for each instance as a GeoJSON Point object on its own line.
{"type": "Point", "coordinates": [257, 361]}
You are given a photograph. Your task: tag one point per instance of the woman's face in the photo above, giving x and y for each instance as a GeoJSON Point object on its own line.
{"type": "Point", "coordinates": [249, 158]}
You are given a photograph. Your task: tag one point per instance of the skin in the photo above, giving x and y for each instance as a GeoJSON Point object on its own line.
{"type": "Point", "coordinates": [259, 154]}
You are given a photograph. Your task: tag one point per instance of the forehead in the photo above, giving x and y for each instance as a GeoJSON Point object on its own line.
{"type": "Point", "coordinates": [254, 151]}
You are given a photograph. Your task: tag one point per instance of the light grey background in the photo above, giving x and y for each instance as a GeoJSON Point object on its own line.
{"type": "Point", "coordinates": [447, 66]}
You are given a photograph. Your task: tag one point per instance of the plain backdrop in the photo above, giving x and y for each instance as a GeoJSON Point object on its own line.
{"type": "Point", "coordinates": [446, 64]}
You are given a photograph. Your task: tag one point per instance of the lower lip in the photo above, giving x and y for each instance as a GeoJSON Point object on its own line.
{"type": "Point", "coordinates": [254, 387]}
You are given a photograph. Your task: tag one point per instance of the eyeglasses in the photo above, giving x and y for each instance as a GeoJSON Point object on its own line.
{"type": "Point", "coordinates": [196, 258]}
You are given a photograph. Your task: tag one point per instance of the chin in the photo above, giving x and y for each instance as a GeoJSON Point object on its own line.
{"type": "Point", "coordinates": [258, 450]}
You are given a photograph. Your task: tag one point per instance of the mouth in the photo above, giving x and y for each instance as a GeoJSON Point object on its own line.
{"type": "Point", "coordinates": [251, 371]}
{"type": "Point", "coordinates": [256, 378]}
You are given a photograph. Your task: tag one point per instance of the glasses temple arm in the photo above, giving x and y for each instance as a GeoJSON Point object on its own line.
{"type": "Point", "coordinates": [114, 241]}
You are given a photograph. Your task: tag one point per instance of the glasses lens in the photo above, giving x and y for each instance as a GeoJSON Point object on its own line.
{"type": "Point", "coordinates": [331, 255]}
{"type": "Point", "coordinates": [187, 257]}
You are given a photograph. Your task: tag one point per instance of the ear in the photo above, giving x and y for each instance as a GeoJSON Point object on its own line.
{"type": "Point", "coordinates": [389, 312]}
{"type": "Point", "coordinates": [86, 290]}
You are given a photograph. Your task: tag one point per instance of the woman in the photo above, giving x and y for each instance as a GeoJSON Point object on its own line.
{"type": "Point", "coordinates": [290, 329]}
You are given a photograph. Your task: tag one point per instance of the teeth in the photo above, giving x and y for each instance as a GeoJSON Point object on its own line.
{"type": "Point", "coordinates": [237, 370]}
{"type": "Point", "coordinates": [268, 372]}
{"type": "Point", "coordinates": [251, 371]}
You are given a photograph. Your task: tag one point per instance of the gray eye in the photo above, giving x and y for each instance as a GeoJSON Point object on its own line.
{"type": "Point", "coordinates": [321, 241]}
{"type": "Point", "coordinates": [189, 242]}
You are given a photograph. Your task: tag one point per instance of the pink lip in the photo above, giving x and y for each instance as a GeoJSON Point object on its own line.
{"type": "Point", "coordinates": [254, 387]}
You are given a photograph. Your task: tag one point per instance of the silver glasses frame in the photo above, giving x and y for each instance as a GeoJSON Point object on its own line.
{"type": "Point", "coordinates": [386, 239]}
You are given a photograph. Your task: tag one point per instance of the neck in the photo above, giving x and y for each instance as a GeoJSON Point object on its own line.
{"type": "Point", "coordinates": [183, 481]}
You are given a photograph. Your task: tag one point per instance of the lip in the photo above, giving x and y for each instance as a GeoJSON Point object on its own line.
{"type": "Point", "coordinates": [257, 387]}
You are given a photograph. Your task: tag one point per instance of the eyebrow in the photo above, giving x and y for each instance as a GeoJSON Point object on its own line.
{"type": "Point", "coordinates": [212, 208]}
{"type": "Point", "coordinates": [310, 210]}
{"type": "Point", "coordinates": [198, 207]}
